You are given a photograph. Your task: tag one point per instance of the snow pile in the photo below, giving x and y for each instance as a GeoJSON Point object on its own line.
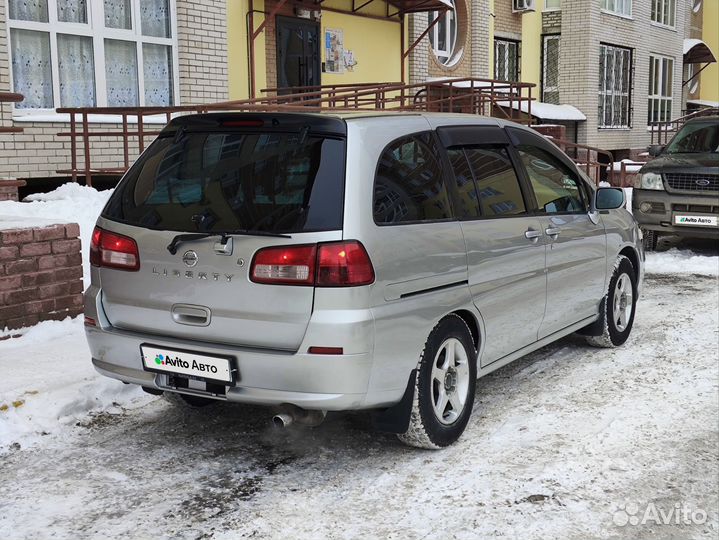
{"type": "Point", "coordinates": [680, 261]}
{"type": "Point", "coordinates": [70, 203]}
{"type": "Point", "coordinates": [48, 383]}
{"type": "Point", "coordinates": [630, 167]}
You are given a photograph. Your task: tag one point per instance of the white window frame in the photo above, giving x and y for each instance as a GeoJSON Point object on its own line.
{"type": "Point", "coordinates": [552, 5]}
{"type": "Point", "coordinates": [444, 56]}
{"type": "Point", "coordinates": [664, 13]}
{"type": "Point", "coordinates": [507, 43]}
{"type": "Point", "coordinates": [655, 97]}
{"type": "Point", "coordinates": [95, 28]}
{"type": "Point", "coordinates": [621, 8]}
{"type": "Point", "coordinates": [545, 39]}
{"type": "Point", "coordinates": [607, 92]}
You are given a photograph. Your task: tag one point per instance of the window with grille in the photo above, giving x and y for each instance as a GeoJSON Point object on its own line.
{"type": "Point", "coordinates": [615, 71]}
{"type": "Point", "coordinates": [85, 53]}
{"type": "Point", "coordinates": [663, 12]}
{"type": "Point", "coordinates": [661, 80]}
{"type": "Point", "coordinates": [506, 60]}
{"type": "Point", "coordinates": [620, 7]}
{"type": "Point", "coordinates": [550, 69]}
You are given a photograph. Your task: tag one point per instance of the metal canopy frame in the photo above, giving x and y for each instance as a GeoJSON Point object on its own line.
{"type": "Point", "coordinates": [397, 16]}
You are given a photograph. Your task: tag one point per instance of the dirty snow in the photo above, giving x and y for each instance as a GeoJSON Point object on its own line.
{"type": "Point", "coordinates": [69, 203]}
{"type": "Point", "coordinates": [558, 443]}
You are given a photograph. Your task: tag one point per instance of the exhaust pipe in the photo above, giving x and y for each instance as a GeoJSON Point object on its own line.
{"type": "Point", "coordinates": [289, 414]}
{"type": "Point", "coordinates": [282, 420]}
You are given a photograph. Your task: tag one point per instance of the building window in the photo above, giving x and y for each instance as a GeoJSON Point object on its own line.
{"type": "Point", "coordinates": [619, 7]}
{"type": "Point", "coordinates": [550, 5]}
{"type": "Point", "coordinates": [615, 68]}
{"type": "Point", "coordinates": [696, 6]}
{"type": "Point", "coordinates": [661, 80]}
{"type": "Point", "coordinates": [663, 12]}
{"type": "Point", "coordinates": [86, 53]}
{"type": "Point", "coordinates": [550, 69]}
{"type": "Point", "coordinates": [692, 79]}
{"type": "Point", "coordinates": [443, 35]}
{"type": "Point", "coordinates": [506, 60]}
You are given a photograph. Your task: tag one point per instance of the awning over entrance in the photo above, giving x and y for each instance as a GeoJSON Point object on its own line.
{"type": "Point", "coordinates": [418, 6]}
{"type": "Point", "coordinates": [697, 52]}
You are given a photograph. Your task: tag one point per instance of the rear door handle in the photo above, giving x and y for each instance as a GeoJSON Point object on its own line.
{"type": "Point", "coordinates": [532, 235]}
{"type": "Point", "coordinates": [191, 315]}
{"type": "Point", "coordinates": [553, 232]}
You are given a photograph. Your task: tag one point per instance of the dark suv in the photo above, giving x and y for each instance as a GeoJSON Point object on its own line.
{"type": "Point", "coordinates": [679, 190]}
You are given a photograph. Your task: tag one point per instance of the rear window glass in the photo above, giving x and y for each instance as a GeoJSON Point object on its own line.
{"type": "Point", "coordinates": [213, 182]}
{"type": "Point", "coordinates": [409, 186]}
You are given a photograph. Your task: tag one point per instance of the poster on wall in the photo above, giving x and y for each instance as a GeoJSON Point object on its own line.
{"type": "Point", "coordinates": [334, 60]}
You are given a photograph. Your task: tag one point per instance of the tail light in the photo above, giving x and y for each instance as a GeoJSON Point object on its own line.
{"type": "Point", "coordinates": [335, 264]}
{"type": "Point", "coordinates": [286, 265]}
{"type": "Point", "coordinates": [113, 250]}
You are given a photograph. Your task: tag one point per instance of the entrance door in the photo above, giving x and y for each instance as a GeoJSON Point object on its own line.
{"type": "Point", "coordinates": [298, 52]}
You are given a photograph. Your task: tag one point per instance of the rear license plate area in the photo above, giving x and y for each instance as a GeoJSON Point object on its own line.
{"type": "Point", "coordinates": [194, 384]}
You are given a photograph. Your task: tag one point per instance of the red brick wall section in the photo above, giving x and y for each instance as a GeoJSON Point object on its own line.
{"type": "Point", "coordinates": [40, 275]}
{"type": "Point", "coordinates": [8, 189]}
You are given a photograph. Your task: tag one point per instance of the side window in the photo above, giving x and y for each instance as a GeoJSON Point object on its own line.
{"type": "Point", "coordinates": [467, 206]}
{"type": "Point", "coordinates": [555, 185]}
{"type": "Point", "coordinates": [497, 183]}
{"type": "Point", "coordinates": [409, 186]}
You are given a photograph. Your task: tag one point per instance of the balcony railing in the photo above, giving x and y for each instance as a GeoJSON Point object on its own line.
{"type": "Point", "coordinates": [135, 125]}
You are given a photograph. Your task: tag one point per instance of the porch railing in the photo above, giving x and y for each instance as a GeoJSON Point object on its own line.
{"type": "Point", "coordinates": [661, 132]}
{"type": "Point", "coordinates": [9, 97]}
{"type": "Point", "coordinates": [588, 159]}
{"type": "Point", "coordinates": [511, 100]}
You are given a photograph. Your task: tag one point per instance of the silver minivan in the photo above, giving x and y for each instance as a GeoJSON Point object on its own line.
{"type": "Point", "coordinates": [315, 263]}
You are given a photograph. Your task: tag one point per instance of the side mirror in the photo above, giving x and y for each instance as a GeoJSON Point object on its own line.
{"type": "Point", "coordinates": [655, 150]}
{"type": "Point", "coordinates": [609, 198]}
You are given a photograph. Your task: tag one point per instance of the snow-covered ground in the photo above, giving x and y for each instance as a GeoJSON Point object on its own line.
{"type": "Point", "coordinates": [562, 444]}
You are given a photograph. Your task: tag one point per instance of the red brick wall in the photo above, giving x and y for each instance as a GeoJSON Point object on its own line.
{"type": "Point", "coordinates": [8, 189]}
{"type": "Point", "coordinates": [40, 275]}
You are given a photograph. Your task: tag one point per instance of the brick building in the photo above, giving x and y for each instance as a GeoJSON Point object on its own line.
{"type": "Point", "coordinates": [74, 53]}
{"type": "Point", "coordinates": [622, 63]}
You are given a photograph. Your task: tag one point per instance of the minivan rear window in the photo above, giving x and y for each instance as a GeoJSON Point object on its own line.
{"type": "Point", "coordinates": [230, 181]}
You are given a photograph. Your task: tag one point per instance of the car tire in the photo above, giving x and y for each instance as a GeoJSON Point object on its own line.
{"type": "Point", "coordinates": [619, 306]}
{"type": "Point", "coordinates": [187, 401]}
{"type": "Point", "coordinates": [446, 381]}
{"type": "Point", "coordinates": [651, 239]}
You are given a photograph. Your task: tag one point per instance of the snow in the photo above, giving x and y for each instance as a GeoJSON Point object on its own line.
{"type": "Point", "coordinates": [48, 383]}
{"type": "Point", "coordinates": [558, 441]}
{"type": "Point", "coordinates": [548, 111]}
{"type": "Point", "coordinates": [69, 203]}
{"type": "Point", "coordinates": [682, 261]}
{"type": "Point", "coordinates": [630, 167]}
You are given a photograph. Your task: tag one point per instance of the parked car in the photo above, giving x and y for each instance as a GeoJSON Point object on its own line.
{"type": "Point", "coordinates": [321, 263]}
{"type": "Point", "coordinates": [679, 188]}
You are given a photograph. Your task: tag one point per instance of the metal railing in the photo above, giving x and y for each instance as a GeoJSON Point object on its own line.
{"type": "Point", "coordinates": [9, 97]}
{"type": "Point", "coordinates": [587, 159]}
{"type": "Point", "coordinates": [661, 132]}
{"type": "Point", "coordinates": [511, 100]}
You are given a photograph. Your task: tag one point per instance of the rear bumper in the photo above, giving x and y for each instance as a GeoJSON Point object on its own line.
{"type": "Point", "coordinates": [326, 382]}
{"type": "Point", "coordinates": [660, 217]}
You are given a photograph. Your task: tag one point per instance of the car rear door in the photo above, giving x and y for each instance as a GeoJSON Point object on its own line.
{"type": "Point", "coordinates": [505, 245]}
{"type": "Point", "coordinates": [283, 185]}
{"type": "Point", "coordinates": [576, 252]}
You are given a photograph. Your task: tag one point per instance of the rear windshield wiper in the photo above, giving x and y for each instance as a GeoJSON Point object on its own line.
{"type": "Point", "coordinates": [191, 237]}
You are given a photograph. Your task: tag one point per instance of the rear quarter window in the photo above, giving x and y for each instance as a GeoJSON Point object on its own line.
{"type": "Point", "coordinates": [409, 185]}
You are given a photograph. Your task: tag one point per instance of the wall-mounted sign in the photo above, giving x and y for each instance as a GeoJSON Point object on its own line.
{"type": "Point", "coordinates": [334, 59]}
